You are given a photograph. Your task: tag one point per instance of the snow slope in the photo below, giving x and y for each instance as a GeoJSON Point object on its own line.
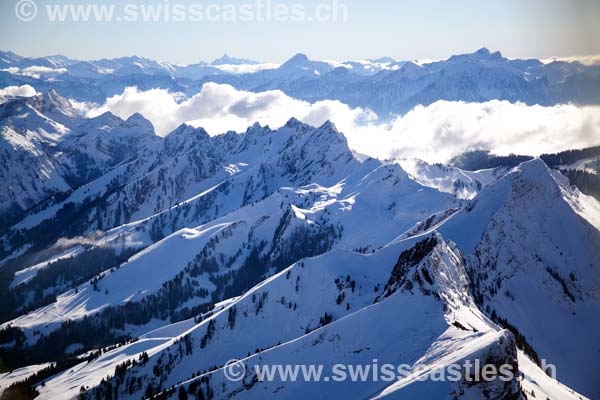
{"type": "Point", "coordinates": [533, 245]}
{"type": "Point", "coordinates": [438, 322]}
{"type": "Point", "coordinates": [270, 246]}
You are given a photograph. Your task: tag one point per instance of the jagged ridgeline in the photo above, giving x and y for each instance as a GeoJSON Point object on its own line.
{"type": "Point", "coordinates": [385, 86]}
{"type": "Point", "coordinates": [137, 266]}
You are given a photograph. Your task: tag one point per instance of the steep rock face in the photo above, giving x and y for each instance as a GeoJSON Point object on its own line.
{"type": "Point", "coordinates": [494, 348]}
{"type": "Point", "coordinates": [400, 278]}
{"type": "Point", "coordinates": [533, 247]}
{"type": "Point", "coordinates": [323, 329]}
{"type": "Point", "coordinates": [433, 267]}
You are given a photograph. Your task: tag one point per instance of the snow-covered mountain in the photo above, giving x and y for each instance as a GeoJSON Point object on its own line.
{"type": "Point", "coordinates": [385, 86]}
{"type": "Point", "coordinates": [229, 60]}
{"type": "Point", "coordinates": [303, 180]}
{"type": "Point", "coordinates": [142, 264]}
{"type": "Point", "coordinates": [534, 264]}
{"type": "Point", "coordinates": [296, 300]}
{"type": "Point", "coordinates": [47, 149]}
{"type": "Point", "coordinates": [398, 87]}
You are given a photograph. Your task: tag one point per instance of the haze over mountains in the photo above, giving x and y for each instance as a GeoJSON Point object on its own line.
{"type": "Point", "coordinates": [477, 101]}
{"type": "Point", "coordinates": [385, 86]}
{"type": "Point", "coordinates": [136, 265]}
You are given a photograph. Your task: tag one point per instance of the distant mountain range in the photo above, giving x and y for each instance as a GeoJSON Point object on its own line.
{"type": "Point", "coordinates": [136, 266]}
{"type": "Point", "coordinates": [384, 85]}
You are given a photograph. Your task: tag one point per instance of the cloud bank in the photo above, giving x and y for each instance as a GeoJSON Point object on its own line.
{"type": "Point", "coordinates": [16, 91]}
{"type": "Point", "coordinates": [434, 133]}
{"type": "Point", "coordinates": [592, 59]}
{"type": "Point", "coordinates": [219, 108]}
{"type": "Point", "coordinates": [245, 68]}
{"type": "Point", "coordinates": [35, 71]}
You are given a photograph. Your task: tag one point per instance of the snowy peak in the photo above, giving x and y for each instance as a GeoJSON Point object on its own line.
{"type": "Point", "coordinates": [527, 180]}
{"type": "Point", "coordinates": [293, 123]}
{"type": "Point", "coordinates": [51, 102]}
{"type": "Point", "coordinates": [257, 130]}
{"type": "Point", "coordinates": [228, 60]}
{"type": "Point", "coordinates": [107, 118]}
{"type": "Point", "coordinates": [184, 138]}
{"type": "Point", "coordinates": [329, 127]}
{"type": "Point", "coordinates": [532, 246]}
{"type": "Point", "coordinates": [300, 63]}
{"type": "Point", "coordinates": [410, 67]}
{"type": "Point", "coordinates": [383, 60]}
{"type": "Point", "coordinates": [323, 139]}
{"type": "Point", "coordinates": [529, 183]}
{"type": "Point", "coordinates": [535, 171]}
{"type": "Point", "coordinates": [482, 54]}
{"type": "Point", "coordinates": [185, 130]}
{"type": "Point", "coordinates": [297, 60]}
{"type": "Point", "coordinates": [138, 122]}
{"type": "Point", "coordinates": [533, 179]}
{"type": "Point", "coordinates": [432, 266]}
{"type": "Point", "coordinates": [302, 127]}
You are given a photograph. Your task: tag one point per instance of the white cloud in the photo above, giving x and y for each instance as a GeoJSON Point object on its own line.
{"type": "Point", "coordinates": [434, 133]}
{"type": "Point", "coordinates": [83, 108]}
{"type": "Point", "coordinates": [35, 71]}
{"type": "Point", "coordinates": [12, 70]}
{"type": "Point", "coordinates": [217, 108]}
{"type": "Point", "coordinates": [47, 70]}
{"type": "Point", "coordinates": [244, 68]}
{"type": "Point", "coordinates": [592, 59]}
{"type": "Point", "coordinates": [445, 129]}
{"type": "Point", "coordinates": [16, 91]}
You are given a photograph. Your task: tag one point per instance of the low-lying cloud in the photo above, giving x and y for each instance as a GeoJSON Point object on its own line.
{"type": "Point", "coordinates": [35, 71]}
{"type": "Point", "coordinates": [592, 59]}
{"type": "Point", "coordinates": [245, 68]}
{"type": "Point", "coordinates": [434, 133]}
{"type": "Point", "coordinates": [445, 129]}
{"type": "Point", "coordinates": [16, 91]}
{"type": "Point", "coordinates": [219, 108]}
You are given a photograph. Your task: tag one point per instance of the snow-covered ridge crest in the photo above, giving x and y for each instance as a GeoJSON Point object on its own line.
{"type": "Point", "coordinates": [532, 245]}
{"type": "Point", "coordinates": [386, 86]}
{"type": "Point", "coordinates": [215, 238]}
{"type": "Point", "coordinates": [437, 266]}
{"type": "Point", "coordinates": [285, 301]}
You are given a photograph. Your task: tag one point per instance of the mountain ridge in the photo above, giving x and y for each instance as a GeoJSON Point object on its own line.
{"type": "Point", "coordinates": [384, 87]}
{"type": "Point", "coordinates": [139, 261]}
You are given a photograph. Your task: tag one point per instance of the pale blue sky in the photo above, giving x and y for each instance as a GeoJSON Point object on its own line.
{"type": "Point", "coordinates": [398, 28]}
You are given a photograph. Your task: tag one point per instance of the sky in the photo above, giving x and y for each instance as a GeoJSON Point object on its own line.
{"type": "Point", "coordinates": [425, 29]}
